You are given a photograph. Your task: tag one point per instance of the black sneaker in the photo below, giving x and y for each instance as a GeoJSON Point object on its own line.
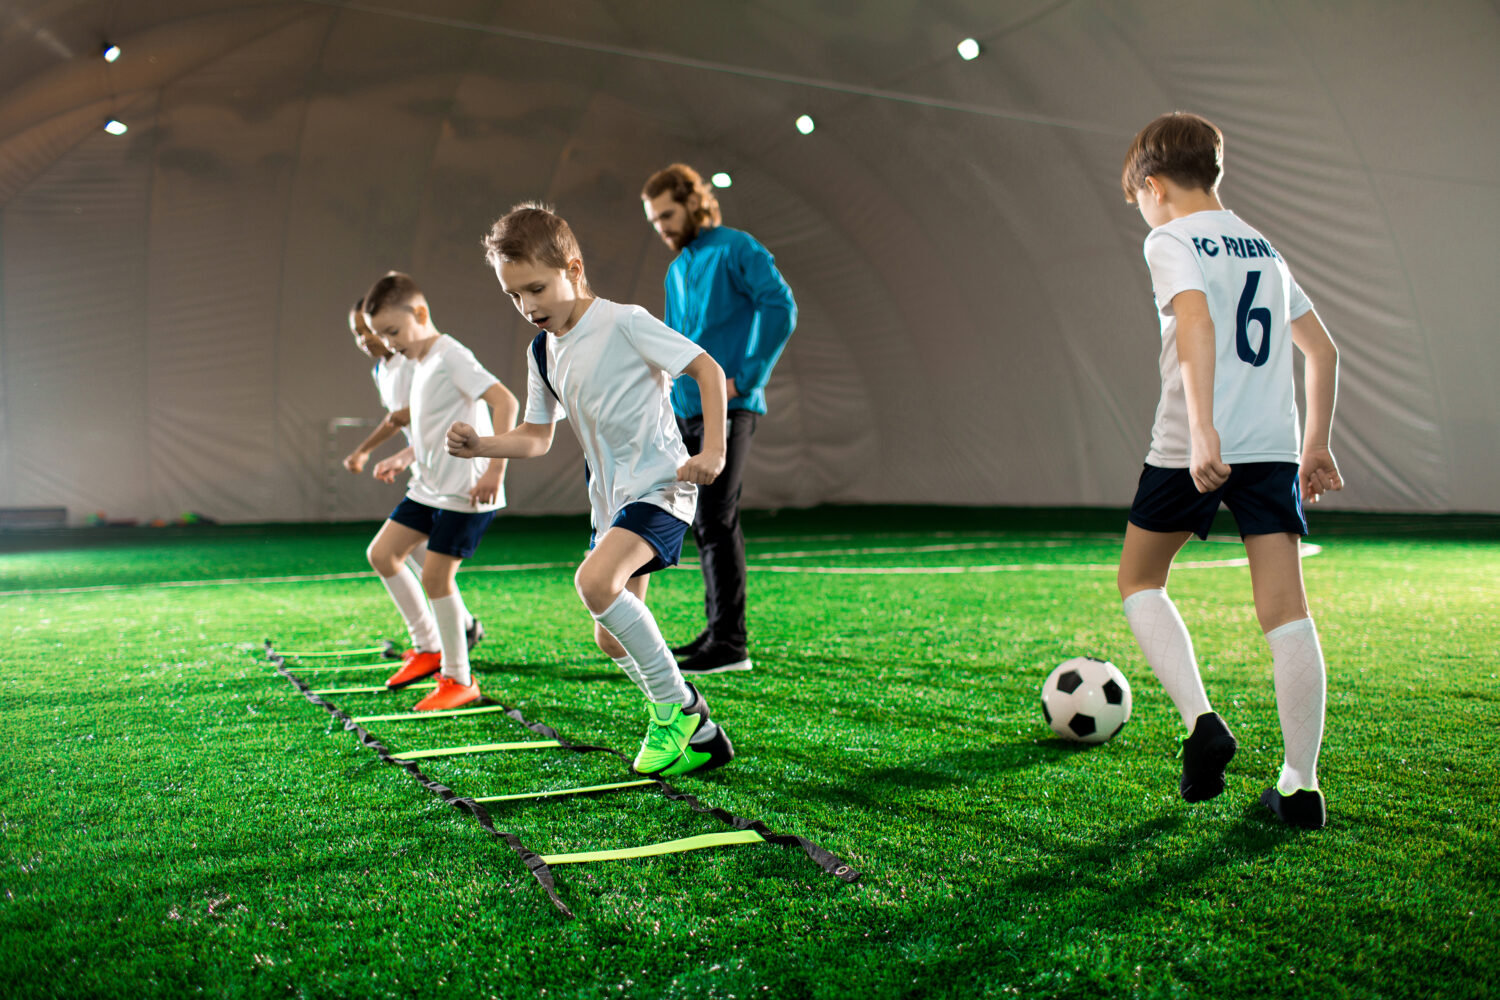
{"type": "Point", "coordinates": [716, 658]}
{"type": "Point", "coordinates": [1205, 754]}
{"type": "Point", "coordinates": [694, 647]}
{"type": "Point", "coordinates": [1303, 807]}
{"type": "Point", "coordinates": [474, 633]}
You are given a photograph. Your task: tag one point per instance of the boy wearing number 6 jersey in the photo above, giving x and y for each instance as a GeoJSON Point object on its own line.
{"type": "Point", "coordinates": [1226, 432]}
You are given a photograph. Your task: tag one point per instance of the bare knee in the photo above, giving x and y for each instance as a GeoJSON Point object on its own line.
{"type": "Point", "coordinates": [608, 644]}
{"type": "Point", "coordinates": [595, 588]}
{"type": "Point", "coordinates": [437, 576]}
{"type": "Point", "coordinates": [1274, 615]}
{"type": "Point", "coordinates": [1133, 583]}
{"type": "Point", "coordinates": [380, 560]}
{"type": "Point", "coordinates": [1136, 575]}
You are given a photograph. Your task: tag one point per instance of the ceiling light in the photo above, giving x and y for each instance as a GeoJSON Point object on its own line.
{"type": "Point", "coordinates": [111, 52]}
{"type": "Point", "coordinates": [968, 49]}
{"type": "Point", "coordinates": [721, 180]}
{"type": "Point", "coordinates": [115, 128]}
{"type": "Point", "coordinates": [805, 125]}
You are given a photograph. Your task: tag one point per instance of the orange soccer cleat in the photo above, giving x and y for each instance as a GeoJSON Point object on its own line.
{"type": "Point", "coordinates": [415, 666]}
{"type": "Point", "coordinates": [449, 694]}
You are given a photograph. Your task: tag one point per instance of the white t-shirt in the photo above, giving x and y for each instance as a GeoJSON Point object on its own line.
{"type": "Point", "coordinates": [392, 377]}
{"type": "Point", "coordinates": [445, 386]}
{"type": "Point", "coordinates": [614, 373]}
{"type": "Point", "coordinates": [1252, 300]}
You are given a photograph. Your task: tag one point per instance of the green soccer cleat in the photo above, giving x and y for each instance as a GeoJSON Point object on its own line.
{"type": "Point", "coordinates": [682, 738]}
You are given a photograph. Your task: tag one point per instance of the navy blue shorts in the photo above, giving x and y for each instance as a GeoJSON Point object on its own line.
{"type": "Point", "coordinates": [661, 530]}
{"type": "Point", "coordinates": [449, 532]}
{"type": "Point", "coordinates": [1264, 497]}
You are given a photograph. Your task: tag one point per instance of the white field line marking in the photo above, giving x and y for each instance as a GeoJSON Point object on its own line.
{"type": "Point", "coordinates": [889, 549]}
{"type": "Point", "coordinates": [1307, 550]}
{"type": "Point", "coordinates": [246, 580]}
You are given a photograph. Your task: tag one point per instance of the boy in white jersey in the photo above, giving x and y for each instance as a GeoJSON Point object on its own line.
{"type": "Point", "coordinates": [392, 378]}
{"type": "Point", "coordinates": [448, 502]}
{"type": "Point", "coordinates": [1226, 431]}
{"type": "Point", "coordinates": [608, 369]}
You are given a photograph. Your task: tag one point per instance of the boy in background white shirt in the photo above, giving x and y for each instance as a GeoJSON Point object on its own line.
{"type": "Point", "coordinates": [448, 503]}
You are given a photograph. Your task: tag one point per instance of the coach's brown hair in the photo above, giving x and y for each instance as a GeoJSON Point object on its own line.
{"type": "Point", "coordinates": [1182, 147]}
{"type": "Point", "coordinates": [683, 181]}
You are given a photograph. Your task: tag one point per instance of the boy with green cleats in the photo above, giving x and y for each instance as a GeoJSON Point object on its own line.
{"type": "Point", "coordinates": [609, 369]}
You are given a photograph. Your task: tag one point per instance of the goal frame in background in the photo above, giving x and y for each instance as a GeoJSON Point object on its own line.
{"type": "Point", "coordinates": [339, 484]}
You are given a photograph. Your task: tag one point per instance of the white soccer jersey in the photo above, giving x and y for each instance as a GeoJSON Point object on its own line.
{"type": "Point", "coordinates": [445, 386]}
{"type": "Point", "coordinates": [1252, 300]}
{"type": "Point", "coordinates": [614, 373]}
{"type": "Point", "coordinates": [392, 377]}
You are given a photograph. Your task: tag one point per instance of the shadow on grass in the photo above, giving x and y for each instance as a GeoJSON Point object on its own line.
{"type": "Point", "coordinates": [1137, 867]}
{"type": "Point", "coordinates": [877, 788]}
{"type": "Point", "coordinates": [1132, 874]}
{"type": "Point", "coordinates": [544, 667]}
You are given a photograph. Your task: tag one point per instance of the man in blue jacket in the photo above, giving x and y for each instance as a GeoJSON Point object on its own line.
{"type": "Point", "coordinates": [724, 294]}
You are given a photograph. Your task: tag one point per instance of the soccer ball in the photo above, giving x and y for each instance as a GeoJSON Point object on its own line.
{"type": "Point", "coordinates": [1086, 700]}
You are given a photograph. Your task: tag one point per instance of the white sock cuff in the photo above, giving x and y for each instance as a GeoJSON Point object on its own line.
{"type": "Point", "coordinates": [1142, 595]}
{"type": "Point", "coordinates": [623, 598]}
{"type": "Point", "coordinates": [451, 618]}
{"type": "Point", "coordinates": [1298, 627]}
{"type": "Point", "coordinates": [406, 593]}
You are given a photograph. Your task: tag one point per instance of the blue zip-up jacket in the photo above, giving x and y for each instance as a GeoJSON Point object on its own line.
{"type": "Point", "coordinates": [725, 294]}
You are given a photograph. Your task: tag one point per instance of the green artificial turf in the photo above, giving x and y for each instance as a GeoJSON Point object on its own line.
{"type": "Point", "coordinates": [176, 819]}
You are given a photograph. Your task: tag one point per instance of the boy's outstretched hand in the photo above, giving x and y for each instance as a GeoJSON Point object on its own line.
{"type": "Point", "coordinates": [387, 469]}
{"type": "Point", "coordinates": [1319, 474]}
{"type": "Point", "coordinates": [702, 469]}
{"type": "Point", "coordinates": [488, 487]}
{"type": "Point", "coordinates": [463, 441]}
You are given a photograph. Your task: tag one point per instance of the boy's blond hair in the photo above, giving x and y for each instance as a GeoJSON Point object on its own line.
{"type": "Point", "coordinates": [1182, 147]}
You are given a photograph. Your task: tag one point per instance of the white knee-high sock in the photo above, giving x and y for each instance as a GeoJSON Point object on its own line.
{"type": "Point", "coordinates": [406, 591]}
{"type": "Point", "coordinates": [627, 663]}
{"type": "Point", "coordinates": [633, 626]}
{"type": "Point", "coordinates": [451, 617]}
{"type": "Point", "coordinates": [1168, 648]}
{"type": "Point", "coordinates": [1301, 694]}
{"type": "Point", "coordinates": [418, 558]}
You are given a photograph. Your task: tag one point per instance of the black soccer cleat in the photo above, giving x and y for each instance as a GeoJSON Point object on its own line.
{"type": "Point", "coordinates": [716, 746]}
{"type": "Point", "coordinates": [715, 658]}
{"type": "Point", "coordinates": [474, 634]}
{"type": "Point", "coordinates": [707, 749]}
{"type": "Point", "coordinates": [1205, 755]}
{"type": "Point", "coordinates": [1303, 807]}
{"type": "Point", "coordinates": [693, 647]}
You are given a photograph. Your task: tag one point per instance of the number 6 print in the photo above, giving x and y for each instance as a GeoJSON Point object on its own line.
{"type": "Point", "coordinates": [1244, 316]}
